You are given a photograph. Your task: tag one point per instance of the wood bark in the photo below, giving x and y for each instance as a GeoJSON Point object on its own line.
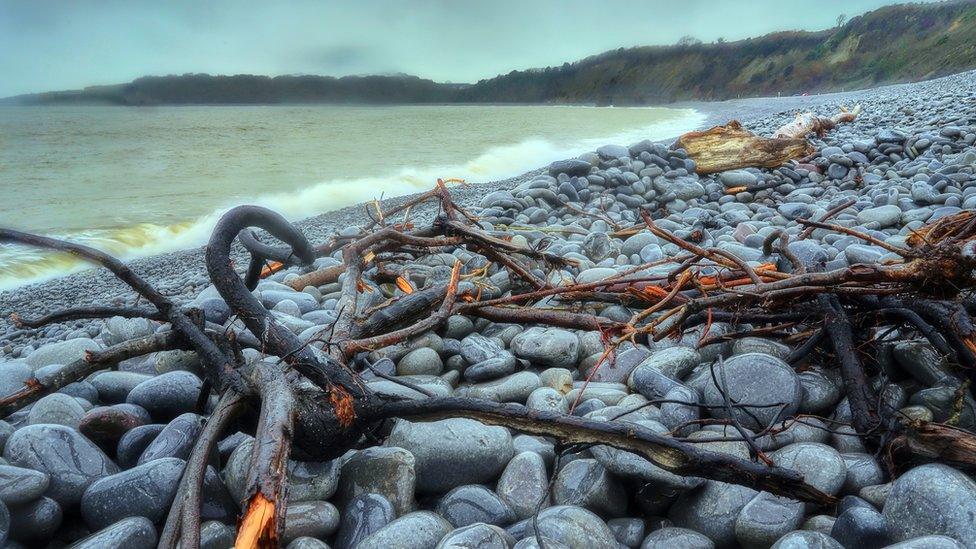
{"type": "Point", "coordinates": [731, 147]}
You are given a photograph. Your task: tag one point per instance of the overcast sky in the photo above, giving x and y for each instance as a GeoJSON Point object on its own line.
{"type": "Point", "coordinates": [46, 44]}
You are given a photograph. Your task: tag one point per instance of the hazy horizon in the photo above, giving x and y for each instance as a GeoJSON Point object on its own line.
{"type": "Point", "coordinates": [89, 43]}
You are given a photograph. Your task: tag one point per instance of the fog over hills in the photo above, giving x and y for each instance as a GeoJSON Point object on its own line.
{"type": "Point", "coordinates": [892, 44]}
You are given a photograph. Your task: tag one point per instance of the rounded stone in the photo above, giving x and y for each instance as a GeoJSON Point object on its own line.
{"type": "Point", "coordinates": [106, 425]}
{"type": "Point", "coordinates": [767, 518]}
{"type": "Point", "coordinates": [13, 374]}
{"type": "Point", "coordinates": [37, 521]}
{"type": "Point", "coordinates": [114, 387]}
{"type": "Point", "coordinates": [533, 542]}
{"type": "Point", "coordinates": [57, 409]}
{"type": "Point", "coordinates": [303, 542]}
{"type": "Point", "coordinates": [806, 539]}
{"type": "Point", "coordinates": [312, 480]}
{"type": "Point", "coordinates": [821, 466]}
{"type": "Point", "coordinates": [672, 536]}
{"type": "Point", "coordinates": [757, 379]}
{"type": "Point", "coordinates": [861, 526]}
{"type": "Point", "coordinates": [315, 519]}
{"type": "Point", "coordinates": [928, 542]}
{"type": "Point", "coordinates": [167, 395]}
{"type": "Point", "coordinates": [482, 536]}
{"type": "Point", "coordinates": [72, 461]}
{"type": "Point", "coordinates": [216, 535]}
{"type": "Point", "coordinates": [573, 526]}
{"type": "Point", "coordinates": [387, 471]}
{"type": "Point", "coordinates": [674, 362]}
{"type": "Point", "coordinates": [134, 442]}
{"type": "Point", "coordinates": [524, 484]}
{"type": "Point", "coordinates": [175, 440]}
{"type": "Point", "coordinates": [629, 531]}
{"type": "Point", "coordinates": [63, 352]}
{"type": "Point", "coordinates": [466, 505]}
{"type": "Point", "coordinates": [932, 499]}
{"type": "Point", "coordinates": [492, 368]}
{"type": "Point", "coordinates": [547, 347]}
{"type": "Point", "coordinates": [453, 452]}
{"type": "Point", "coordinates": [130, 533]}
{"type": "Point", "coordinates": [587, 483]}
{"type": "Point", "coordinates": [143, 491]}
{"type": "Point", "coordinates": [19, 485]}
{"type": "Point", "coordinates": [422, 361]}
{"type": "Point", "coordinates": [4, 524]}
{"type": "Point", "coordinates": [421, 530]}
{"type": "Point", "coordinates": [363, 515]}
{"type": "Point", "coordinates": [712, 510]}
{"type": "Point", "coordinates": [547, 399]}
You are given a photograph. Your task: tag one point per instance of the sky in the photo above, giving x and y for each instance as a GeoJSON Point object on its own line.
{"type": "Point", "coordinates": [51, 45]}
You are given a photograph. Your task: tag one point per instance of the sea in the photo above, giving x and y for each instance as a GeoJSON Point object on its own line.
{"type": "Point", "coordinates": [139, 181]}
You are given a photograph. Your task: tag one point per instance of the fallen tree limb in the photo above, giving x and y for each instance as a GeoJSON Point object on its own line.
{"type": "Point", "coordinates": [856, 383]}
{"type": "Point", "coordinates": [806, 123]}
{"type": "Point", "coordinates": [183, 521]}
{"type": "Point", "coordinates": [34, 389]}
{"type": "Point", "coordinates": [665, 452]}
{"type": "Point", "coordinates": [730, 147]}
{"type": "Point", "coordinates": [267, 495]}
{"type": "Point", "coordinates": [321, 277]}
{"type": "Point", "coordinates": [925, 441]}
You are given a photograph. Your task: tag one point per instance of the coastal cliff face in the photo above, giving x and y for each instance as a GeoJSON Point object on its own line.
{"type": "Point", "coordinates": [893, 44]}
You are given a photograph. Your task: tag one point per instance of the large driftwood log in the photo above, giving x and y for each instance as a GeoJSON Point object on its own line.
{"type": "Point", "coordinates": [731, 147]}
{"type": "Point", "coordinates": [806, 123]}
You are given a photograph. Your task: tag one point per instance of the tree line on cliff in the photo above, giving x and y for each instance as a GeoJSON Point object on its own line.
{"type": "Point", "coordinates": [900, 43]}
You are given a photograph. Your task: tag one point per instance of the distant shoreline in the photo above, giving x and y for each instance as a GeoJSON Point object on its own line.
{"type": "Point", "coordinates": [900, 43]}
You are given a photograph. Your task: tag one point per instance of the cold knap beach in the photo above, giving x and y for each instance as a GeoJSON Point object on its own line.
{"type": "Point", "coordinates": [98, 463]}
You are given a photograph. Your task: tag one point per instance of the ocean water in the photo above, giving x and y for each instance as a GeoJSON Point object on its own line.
{"type": "Point", "coordinates": [141, 181]}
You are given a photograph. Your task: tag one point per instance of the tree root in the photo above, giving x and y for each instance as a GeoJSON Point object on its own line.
{"type": "Point", "coordinates": [314, 405]}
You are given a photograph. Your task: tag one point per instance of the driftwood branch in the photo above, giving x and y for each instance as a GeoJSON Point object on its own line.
{"type": "Point", "coordinates": [731, 147]}
{"type": "Point", "coordinates": [314, 405]}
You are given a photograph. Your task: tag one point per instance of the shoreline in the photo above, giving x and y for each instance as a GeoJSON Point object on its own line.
{"type": "Point", "coordinates": [172, 269]}
{"type": "Point", "coordinates": [810, 358]}
{"type": "Point", "coordinates": [148, 211]}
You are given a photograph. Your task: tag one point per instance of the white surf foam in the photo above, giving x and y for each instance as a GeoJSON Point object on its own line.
{"type": "Point", "coordinates": [19, 265]}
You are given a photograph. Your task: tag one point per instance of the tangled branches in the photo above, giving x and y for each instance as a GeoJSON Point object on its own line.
{"type": "Point", "coordinates": [313, 403]}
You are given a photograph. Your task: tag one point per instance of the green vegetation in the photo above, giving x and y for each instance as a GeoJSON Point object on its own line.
{"type": "Point", "coordinates": [893, 44]}
{"type": "Point", "coordinates": [899, 43]}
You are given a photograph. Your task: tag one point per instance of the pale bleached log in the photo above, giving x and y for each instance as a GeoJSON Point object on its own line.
{"type": "Point", "coordinates": [806, 123]}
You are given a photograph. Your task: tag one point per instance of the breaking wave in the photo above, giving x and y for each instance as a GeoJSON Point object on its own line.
{"type": "Point", "coordinates": [21, 265]}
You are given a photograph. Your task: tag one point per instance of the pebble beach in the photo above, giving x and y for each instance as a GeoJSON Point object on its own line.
{"type": "Point", "coordinates": [97, 463]}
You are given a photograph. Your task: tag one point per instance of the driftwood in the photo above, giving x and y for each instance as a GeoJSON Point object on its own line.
{"type": "Point", "coordinates": [806, 123]}
{"type": "Point", "coordinates": [312, 401]}
{"type": "Point", "coordinates": [731, 147]}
